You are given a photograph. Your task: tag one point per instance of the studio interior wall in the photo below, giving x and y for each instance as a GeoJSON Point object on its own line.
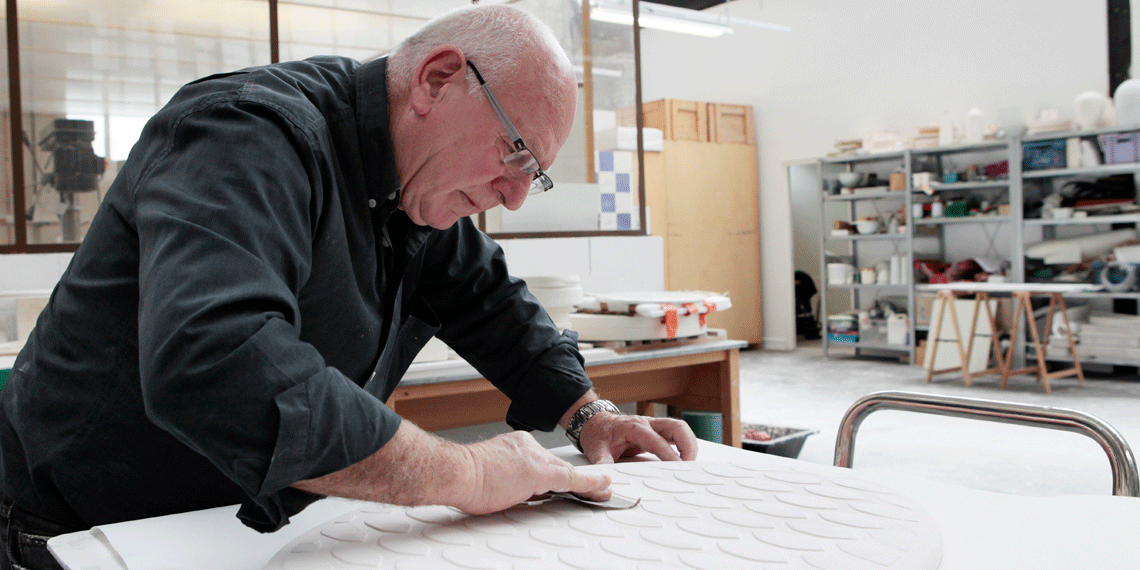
{"type": "Point", "coordinates": [849, 67]}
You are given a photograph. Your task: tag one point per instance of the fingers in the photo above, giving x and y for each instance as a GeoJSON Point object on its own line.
{"type": "Point", "coordinates": [598, 451]}
{"type": "Point", "coordinates": [679, 434]}
{"type": "Point", "coordinates": [607, 437]}
{"type": "Point", "coordinates": [591, 486]}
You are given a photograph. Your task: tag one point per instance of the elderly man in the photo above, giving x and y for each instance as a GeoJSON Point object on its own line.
{"type": "Point", "coordinates": [279, 245]}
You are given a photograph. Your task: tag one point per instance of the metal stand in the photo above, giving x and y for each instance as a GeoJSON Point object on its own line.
{"type": "Point", "coordinates": [1125, 480]}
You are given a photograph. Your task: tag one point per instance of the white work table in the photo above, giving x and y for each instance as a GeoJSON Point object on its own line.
{"type": "Point", "coordinates": [979, 529]}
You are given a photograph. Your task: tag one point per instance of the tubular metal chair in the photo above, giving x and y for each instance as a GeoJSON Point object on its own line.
{"type": "Point", "coordinates": [1125, 481]}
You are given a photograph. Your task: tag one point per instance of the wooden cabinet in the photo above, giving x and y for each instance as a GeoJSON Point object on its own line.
{"type": "Point", "coordinates": [702, 198]}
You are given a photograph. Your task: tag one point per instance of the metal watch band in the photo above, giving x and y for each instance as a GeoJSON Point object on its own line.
{"type": "Point", "coordinates": [579, 419]}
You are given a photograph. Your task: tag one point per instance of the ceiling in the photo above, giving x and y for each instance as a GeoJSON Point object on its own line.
{"type": "Point", "coordinates": [690, 4]}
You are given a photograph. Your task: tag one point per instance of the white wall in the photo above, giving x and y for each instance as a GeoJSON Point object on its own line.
{"type": "Point", "coordinates": [32, 272]}
{"type": "Point", "coordinates": [605, 264]}
{"type": "Point", "coordinates": [850, 66]}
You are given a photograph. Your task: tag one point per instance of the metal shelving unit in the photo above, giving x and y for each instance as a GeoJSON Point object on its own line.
{"type": "Point", "coordinates": [1013, 189]}
{"type": "Point", "coordinates": [1050, 226]}
{"type": "Point", "coordinates": [905, 162]}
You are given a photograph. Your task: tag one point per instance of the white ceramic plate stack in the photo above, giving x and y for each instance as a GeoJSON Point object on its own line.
{"type": "Point", "coordinates": [558, 295]}
{"type": "Point", "coordinates": [647, 322]}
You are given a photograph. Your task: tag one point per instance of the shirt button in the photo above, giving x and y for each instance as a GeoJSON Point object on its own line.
{"type": "Point", "coordinates": [384, 241]}
{"type": "Point", "coordinates": [371, 203]}
{"type": "Point", "coordinates": [392, 196]}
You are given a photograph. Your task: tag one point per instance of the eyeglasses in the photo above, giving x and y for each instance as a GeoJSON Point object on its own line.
{"type": "Point", "coordinates": [522, 160]}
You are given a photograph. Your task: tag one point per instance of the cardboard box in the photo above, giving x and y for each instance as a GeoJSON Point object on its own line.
{"type": "Point", "coordinates": [731, 123]}
{"type": "Point", "coordinates": [677, 119]}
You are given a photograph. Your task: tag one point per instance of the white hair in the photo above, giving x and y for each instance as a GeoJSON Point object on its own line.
{"type": "Point", "coordinates": [499, 40]}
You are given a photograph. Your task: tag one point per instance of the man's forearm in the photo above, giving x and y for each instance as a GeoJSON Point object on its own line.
{"type": "Point", "coordinates": [413, 468]}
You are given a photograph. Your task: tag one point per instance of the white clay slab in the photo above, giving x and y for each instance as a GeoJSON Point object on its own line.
{"type": "Point", "coordinates": [716, 516]}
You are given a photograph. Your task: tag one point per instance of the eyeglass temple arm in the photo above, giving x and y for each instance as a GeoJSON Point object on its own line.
{"type": "Point", "coordinates": [515, 137]}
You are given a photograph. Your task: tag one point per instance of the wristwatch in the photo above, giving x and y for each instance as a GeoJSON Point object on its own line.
{"type": "Point", "coordinates": [583, 415]}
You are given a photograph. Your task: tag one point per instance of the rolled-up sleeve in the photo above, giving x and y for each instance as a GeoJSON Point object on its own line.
{"type": "Point", "coordinates": [224, 227]}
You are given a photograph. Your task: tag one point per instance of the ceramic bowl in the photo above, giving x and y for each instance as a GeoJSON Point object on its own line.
{"type": "Point", "coordinates": [850, 179]}
{"type": "Point", "coordinates": [867, 226]}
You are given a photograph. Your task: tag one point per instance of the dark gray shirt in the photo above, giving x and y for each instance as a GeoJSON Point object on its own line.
{"type": "Point", "coordinates": [246, 299]}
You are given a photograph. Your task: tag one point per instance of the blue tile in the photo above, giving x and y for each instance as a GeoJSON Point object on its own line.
{"type": "Point", "coordinates": [606, 161]}
{"type": "Point", "coordinates": [623, 222]}
{"type": "Point", "coordinates": [609, 203]}
{"type": "Point", "coordinates": [622, 181]}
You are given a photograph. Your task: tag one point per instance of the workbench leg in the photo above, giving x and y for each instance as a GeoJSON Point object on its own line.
{"type": "Point", "coordinates": [1032, 323]}
{"type": "Point", "coordinates": [1072, 345]}
{"type": "Point", "coordinates": [729, 378]}
{"type": "Point", "coordinates": [966, 372]}
{"type": "Point", "coordinates": [1006, 368]}
{"type": "Point", "coordinates": [937, 325]}
{"type": "Point", "coordinates": [961, 349]}
{"type": "Point", "coordinates": [995, 345]}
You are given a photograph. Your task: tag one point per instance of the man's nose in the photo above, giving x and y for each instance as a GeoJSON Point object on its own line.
{"type": "Point", "coordinates": [514, 191]}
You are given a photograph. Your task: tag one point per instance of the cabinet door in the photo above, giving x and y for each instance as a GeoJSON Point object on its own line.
{"type": "Point", "coordinates": [711, 230]}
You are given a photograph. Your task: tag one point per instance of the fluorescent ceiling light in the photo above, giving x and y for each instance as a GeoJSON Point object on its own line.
{"type": "Point", "coordinates": [672, 19]}
{"type": "Point", "coordinates": [605, 14]}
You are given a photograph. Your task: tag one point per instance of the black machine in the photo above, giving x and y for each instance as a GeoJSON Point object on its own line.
{"type": "Point", "coordinates": [75, 166]}
{"type": "Point", "coordinates": [807, 322]}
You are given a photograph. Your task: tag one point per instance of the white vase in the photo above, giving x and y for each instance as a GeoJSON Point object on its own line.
{"type": "Point", "coordinates": [974, 121]}
{"type": "Point", "coordinates": [1127, 103]}
{"type": "Point", "coordinates": [1090, 108]}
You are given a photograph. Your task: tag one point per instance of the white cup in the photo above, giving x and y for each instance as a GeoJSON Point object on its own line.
{"type": "Point", "coordinates": [840, 273]}
{"type": "Point", "coordinates": [867, 276]}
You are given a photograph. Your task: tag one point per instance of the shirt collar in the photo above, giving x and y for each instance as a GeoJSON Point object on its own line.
{"type": "Point", "coordinates": [377, 150]}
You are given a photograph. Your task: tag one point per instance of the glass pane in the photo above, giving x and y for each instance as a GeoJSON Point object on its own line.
{"type": "Point", "coordinates": [359, 29]}
{"type": "Point", "coordinates": [93, 73]}
{"type": "Point", "coordinates": [7, 207]}
{"type": "Point", "coordinates": [596, 175]}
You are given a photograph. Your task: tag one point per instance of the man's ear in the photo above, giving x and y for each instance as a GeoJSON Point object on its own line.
{"type": "Point", "coordinates": [439, 73]}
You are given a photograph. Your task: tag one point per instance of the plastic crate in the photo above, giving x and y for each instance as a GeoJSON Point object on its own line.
{"type": "Point", "coordinates": [1040, 155]}
{"type": "Point", "coordinates": [785, 441]}
{"type": "Point", "coordinates": [1120, 148]}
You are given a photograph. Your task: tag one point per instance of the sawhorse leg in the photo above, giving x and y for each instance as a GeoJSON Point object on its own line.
{"type": "Point", "coordinates": [1043, 375]}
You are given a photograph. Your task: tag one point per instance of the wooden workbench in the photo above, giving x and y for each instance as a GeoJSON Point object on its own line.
{"type": "Point", "coordinates": [1022, 294]}
{"type": "Point", "coordinates": [699, 376]}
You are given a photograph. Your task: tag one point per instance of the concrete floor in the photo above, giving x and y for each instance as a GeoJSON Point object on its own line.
{"type": "Point", "coordinates": [803, 389]}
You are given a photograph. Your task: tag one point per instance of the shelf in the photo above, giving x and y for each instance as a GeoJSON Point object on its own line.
{"type": "Point", "coordinates": [866, 195]}
{"type": "Point", "coordinates": [965, 186]}
{"type": "Point", "coordinates": [1077, 134]}
{"type": "Point", "coordinates": [963, 220]}
{"type": "Point", "coordinates": [871, 345]}
{"type": "Point", "coordinates": [1093, 359]}
{"type": "Point", "coordinates": [1090, 220]}
{"type": "Point", "coordinates": [875, 157]}
{"type": "Point", "coordinates": [967, 147]}
{"type": "Point", "coordinates": [868, 237]}
{"type": "Point", "coordinates": [1102, 170]}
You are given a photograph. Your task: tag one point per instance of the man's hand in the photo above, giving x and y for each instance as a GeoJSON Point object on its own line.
{"type": "Point", "coordinates": [513, 467]}
{"type": "Point", "coordinates": [607, 437]}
